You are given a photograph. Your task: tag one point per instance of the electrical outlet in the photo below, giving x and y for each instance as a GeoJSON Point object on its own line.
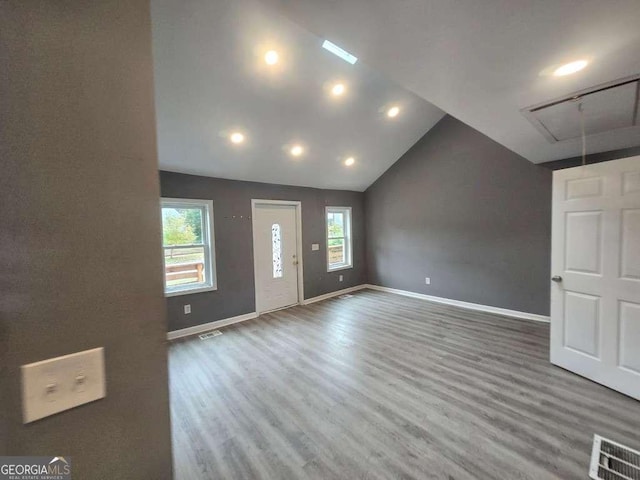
{"type": "Point", "coordinates": [187, 309]}
{"type": "Point", "coordinates": [340, 278]}
{"type": "Point", "coordinates": [315, 247]}
{"type": "Point", "coordinates": [427, 280]}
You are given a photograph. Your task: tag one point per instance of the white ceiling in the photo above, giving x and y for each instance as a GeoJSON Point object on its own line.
{"type": "Point", "coordinates": [211, 79]}
{"type": "Point", "coordinates": [480, 61]}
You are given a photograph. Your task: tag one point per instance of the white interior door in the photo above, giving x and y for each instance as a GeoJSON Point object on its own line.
{"type": "Point", "coordinates": [595, 292]}
{"type": "Point", "coordinates": [275, 256]}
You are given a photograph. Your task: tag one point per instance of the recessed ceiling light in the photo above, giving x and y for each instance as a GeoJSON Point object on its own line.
{"type": "Point", "coordinates": [297, 150]}
{"type": "Point", "coordinates": [338, 89]}
{"type": "Point", "coordinates": [393, 112]}
{"type": "Point", "coordinates": [336, 50]}
{"type": "Point", "coordinates": [236, 137]}
{"type": "Point", "coordinates": [271, 57]}
{"type": "Point", "coordinates": [349, 161]}
{"type": "Point", "coordinates": [570, 68]}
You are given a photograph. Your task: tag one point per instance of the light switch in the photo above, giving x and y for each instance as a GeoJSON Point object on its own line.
{"type": "Point", "coordinates": [61, 383]}
{"type": "Point", "coordinates": [315, 246]}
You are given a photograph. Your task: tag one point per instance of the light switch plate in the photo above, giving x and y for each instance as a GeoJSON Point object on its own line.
{"type": "Point", "coordinates": [187, 309]}
{"type": "Point", "coordinates": [61, 383]}
{"type": "Point", "coordinates": [315, 246]}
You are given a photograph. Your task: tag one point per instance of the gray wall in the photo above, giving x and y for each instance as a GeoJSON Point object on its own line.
{"type": "Point", "coordinates": [467, 212]}
{"type": "Point", "coordinates": [234, 243]}
{"type": "Point", "coordinates": [79, 249]}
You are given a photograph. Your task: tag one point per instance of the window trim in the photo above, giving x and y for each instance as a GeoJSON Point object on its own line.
{"type": "Point", "coordinates": [348, 237]}
{"type": "Point", "coordinates": [208, 241]}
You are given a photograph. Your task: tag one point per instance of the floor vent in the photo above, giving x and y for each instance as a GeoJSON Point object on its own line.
{"type": "Point", "coordinates": [346, 295]}
{"type": "Point", "coordinates": [211, 334]}
{"type": "Point", "coordinates": [612, 461]}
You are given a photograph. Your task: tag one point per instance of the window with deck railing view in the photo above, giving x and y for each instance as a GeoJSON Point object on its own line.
{"type": "Point", "coordinates": [188, 245]}
{"type": "Point", "coordinates": [338, 238]}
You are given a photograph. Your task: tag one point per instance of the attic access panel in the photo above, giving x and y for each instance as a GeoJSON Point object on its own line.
{"type": "Point", "coordinates": [606, 108]}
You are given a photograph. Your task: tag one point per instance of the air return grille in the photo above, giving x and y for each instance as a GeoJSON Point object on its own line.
{"type": "Point", "coordinates": [612, 461]}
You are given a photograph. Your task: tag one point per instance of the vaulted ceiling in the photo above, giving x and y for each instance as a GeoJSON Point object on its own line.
{"type": "Point", "coordinates": [211, 81]}
{"type": "Point", "coordinates": [482, 62]}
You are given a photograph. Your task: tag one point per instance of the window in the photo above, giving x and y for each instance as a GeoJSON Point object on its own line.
{"type": "Point", "coordinates": [276, 246]}
{"type": "Point", "coordinates": [188, 245]}
{"type": "Point", "coordinates": [338, 238]}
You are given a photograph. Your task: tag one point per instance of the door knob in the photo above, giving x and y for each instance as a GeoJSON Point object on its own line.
{"type": "Point", "coordinates": [556, 278]}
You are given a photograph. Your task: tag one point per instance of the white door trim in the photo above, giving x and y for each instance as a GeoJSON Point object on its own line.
{"type": "Point", "coordinates": [299, 250]}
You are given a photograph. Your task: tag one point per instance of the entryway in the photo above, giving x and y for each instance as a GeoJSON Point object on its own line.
{"type": "Point", "coordinates": [277, 254]}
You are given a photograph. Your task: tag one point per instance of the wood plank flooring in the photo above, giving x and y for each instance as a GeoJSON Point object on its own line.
{"type": "Point", "coordinates": [381, 386]}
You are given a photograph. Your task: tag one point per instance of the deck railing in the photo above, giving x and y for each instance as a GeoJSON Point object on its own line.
{"type": "Point", "coordinates": [193, 271]}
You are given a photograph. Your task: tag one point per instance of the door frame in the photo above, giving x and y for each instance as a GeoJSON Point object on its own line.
{"type": "Point", "coordinates": [298, 206]}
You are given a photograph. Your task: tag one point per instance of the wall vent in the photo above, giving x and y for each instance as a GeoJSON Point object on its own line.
{"type": "Point", "coordinates": [606, 107]}
{"type": "Point", "coordinates": [613, 461]}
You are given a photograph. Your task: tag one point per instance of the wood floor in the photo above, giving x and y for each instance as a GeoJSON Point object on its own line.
{"type": "Point", "coordinates": [382, 386]}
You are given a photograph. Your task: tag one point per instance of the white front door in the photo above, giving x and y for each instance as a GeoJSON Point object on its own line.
{"type": "Point", "coordinates": [276, 256]}
{"type": "Point", "coordinates": [595, 263]}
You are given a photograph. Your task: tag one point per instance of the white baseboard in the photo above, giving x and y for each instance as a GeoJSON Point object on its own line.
{"type": "Point", "coordinates": [470, 306]}
{"type": "Point", "coordinates": [185, 332]}
{"type": "Point", "coordinates": [333, 294]}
